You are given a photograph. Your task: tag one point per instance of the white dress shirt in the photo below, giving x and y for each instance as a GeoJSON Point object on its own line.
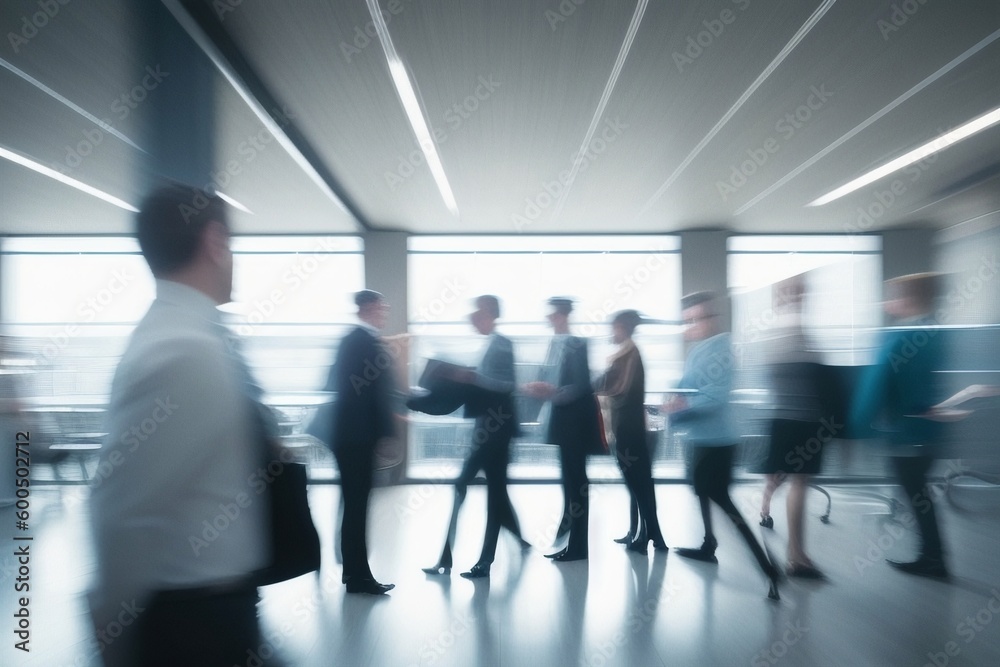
{"type": "Point", "coordinates": [177, 501]}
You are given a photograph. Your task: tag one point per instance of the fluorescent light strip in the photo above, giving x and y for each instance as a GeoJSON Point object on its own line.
{"type": "Point", "coordinates": [633, 29]}
{"type": "Point", "coordinates": [408, 96]}
{"type": "Point", "coordinates": [882, 112]}
{"type": "Point", "coordinates": [201, 39]}
{"type": "Point", "coordinates": [66, 102]}
{"type": "Point", "coordinates": [232, 202]}
{"type": "Point", "coordinates": [958, 134]}
{"type": "Point", "coordinates": [17, 158]}
{"type": "Point", "coordinates": [796, 39]}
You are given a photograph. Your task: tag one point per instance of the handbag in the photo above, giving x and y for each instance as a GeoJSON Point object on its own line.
{"type": "Point", "coordinates": [294, 542]}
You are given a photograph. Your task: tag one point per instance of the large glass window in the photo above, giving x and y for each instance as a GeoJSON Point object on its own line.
{"type": "Point", "coordinates": [603, 274]}
{"type": "Point", "coordinates": [841, 316]}
{"type": "Point", "coordinates": [69, 305]}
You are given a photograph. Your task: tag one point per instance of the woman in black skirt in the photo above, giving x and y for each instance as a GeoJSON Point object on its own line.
{"type": "Point", "coordinates": [797, 432]}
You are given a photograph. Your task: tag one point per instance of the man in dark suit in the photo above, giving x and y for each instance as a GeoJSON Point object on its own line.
{"type": "Point", "coordinates": [362, 379]}
{"type": "Point", "coordinates": [492, 385]}
{"type": "Point", "coordinates": [572, 423]}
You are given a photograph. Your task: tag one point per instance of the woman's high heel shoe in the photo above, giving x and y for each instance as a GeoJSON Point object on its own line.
{"type": "Point", "coordinates": [766, 521]}
{"type": "Point", "coordinates": [639, 544]}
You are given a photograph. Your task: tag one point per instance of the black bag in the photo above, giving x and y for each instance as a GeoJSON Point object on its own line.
{"type": "Point", "coordinates": [294, 541]}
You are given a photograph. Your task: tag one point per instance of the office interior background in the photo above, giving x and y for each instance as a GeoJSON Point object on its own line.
{"type": "Point", "coordinates": [621, 153]}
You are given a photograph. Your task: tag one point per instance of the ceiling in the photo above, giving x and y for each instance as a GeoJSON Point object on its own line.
{"type": "Point", "coordinates": [731, 114]}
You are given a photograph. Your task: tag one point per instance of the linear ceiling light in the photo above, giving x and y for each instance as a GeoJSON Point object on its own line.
{"type": "Point", "coordinates": [17, 158]}
{"type": "Point", "coordinates": [633, 29]}
{"type": "Point", "coordinates": [232, 202]}
{"type": "Point", "coordinates": [796, 39]}
{"type": "Point", "coordinates": [69, 103]}
{"type": "Point", "coordinates": [411, 104]}
{"type": "Point", "coordinates": [176, 7]}
{"type": "Point", "coordinates": [917, 154]}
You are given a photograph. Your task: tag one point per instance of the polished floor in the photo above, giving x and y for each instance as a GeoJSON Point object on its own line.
{"type": "Point", "coordinates": [618, 608]}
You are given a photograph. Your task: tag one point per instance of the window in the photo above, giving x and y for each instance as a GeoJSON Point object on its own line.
{"type": "Point", "coordinates": [603, 274]}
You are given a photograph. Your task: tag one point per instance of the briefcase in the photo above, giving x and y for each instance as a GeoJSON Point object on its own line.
{"type": "Point", "coordinates": [294, 541]}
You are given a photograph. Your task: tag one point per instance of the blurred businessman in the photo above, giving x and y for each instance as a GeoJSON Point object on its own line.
{"type": "Point", "coordinates": [172, 588]}
{"type": "Point", "coordinates": [897, 394]}
{"type": "Point", "coordinates": [572, 423]}
{"type": "Point", "coordinates": [490, 387]}
{"type": "Point", "coordinates": [362, 378]}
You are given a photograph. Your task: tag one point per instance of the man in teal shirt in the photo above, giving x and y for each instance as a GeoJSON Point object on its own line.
{"type": "Point", "coordinates": [896, 397]}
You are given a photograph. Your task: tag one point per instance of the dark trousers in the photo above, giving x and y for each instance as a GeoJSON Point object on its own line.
{"type": "Point", "coordinates": [637, 468]}
{"type": "Point", "coordinates": [712, 469]}
{"type": "Point", "coordinates": [912, 472]}
{"type": "Point", "coordinates": [491, 454]}
{"type": "Point", "coordinates": [576, 497]}
{"type": "Point", "coordinates": [355, 463]}
{"type": "Point", "coordinates": [201, 628]}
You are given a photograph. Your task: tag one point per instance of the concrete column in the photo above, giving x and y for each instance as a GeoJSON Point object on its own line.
{"type": "Point", "coordinates": [385, 272]}
{"type": "Point", "coordinates": [704, 267]}
{"type": "Point", "coordinates": [179, 126]}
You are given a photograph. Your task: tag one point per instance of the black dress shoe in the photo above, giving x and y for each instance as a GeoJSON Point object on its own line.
{"type": "Point", "coordinates": [627, 539]}
{"type": "Point", "coordinates": [478, 571]}
{"type": "Point", "coordinates": [566, 557]}
{"type": "Point", "coordinates": [437, 569]}
{"type": "Point", "coordinates": [556, 554]}
{"type": "Point", "coordinates": [369, 587]}
{"type": "Point", "coordinates": [660, 545]}
{"type": "Point", "coordinates": [923, 567]}
{"type": "Point", "coordinates": [704, 553]}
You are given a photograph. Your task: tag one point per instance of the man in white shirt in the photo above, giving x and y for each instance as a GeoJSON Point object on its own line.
{"type": "Point", "coordinates": [179, 525]}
